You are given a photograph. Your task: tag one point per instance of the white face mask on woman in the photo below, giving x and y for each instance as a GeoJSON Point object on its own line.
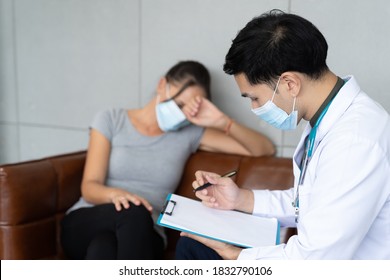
{"type": "Point", "coordinates": [169, 115]}
{"type": "Point", "coordinates": [275, 116]}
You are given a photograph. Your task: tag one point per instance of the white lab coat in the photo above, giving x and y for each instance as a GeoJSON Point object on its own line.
{"type": "Point", "coordinates": [345, 198]}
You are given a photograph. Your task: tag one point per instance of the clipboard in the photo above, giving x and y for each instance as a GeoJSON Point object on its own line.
{"type": "Point", "coordinates": [229, 226]}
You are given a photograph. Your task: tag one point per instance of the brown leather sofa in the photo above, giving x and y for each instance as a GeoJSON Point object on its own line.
{"type": "Point", "coordinates": [34, 195]}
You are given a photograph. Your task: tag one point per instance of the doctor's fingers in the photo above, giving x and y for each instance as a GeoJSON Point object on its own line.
{"type": "Point", "coordinates": [211, 202]}
{"type": "Point", "coordinates": [202, 177]}
{"type": "Point", "coordinates": [199, 179]}
{"type": "Point", "coordinates": [226, 182]}
{"type": "Point", "coordinates": [197, 183]}
{"type": "Point", "coordinates": [205, 194]}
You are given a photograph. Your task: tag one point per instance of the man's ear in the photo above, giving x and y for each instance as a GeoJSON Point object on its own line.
{"type": "Point", "coordinates": [292, 83]}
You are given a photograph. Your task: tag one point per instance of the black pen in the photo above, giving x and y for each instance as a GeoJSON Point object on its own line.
{"type": "Point", "coordinates": [230, 174]}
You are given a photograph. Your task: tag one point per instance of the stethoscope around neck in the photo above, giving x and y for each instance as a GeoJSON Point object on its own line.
{"type": "Point", "coordinates": [309, 149]}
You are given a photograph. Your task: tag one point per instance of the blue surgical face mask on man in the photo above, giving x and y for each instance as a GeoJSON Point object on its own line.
{"type": "Point", "coordinates": [275, 116]}
{"type": "Point", "coordinates": [169, 115]}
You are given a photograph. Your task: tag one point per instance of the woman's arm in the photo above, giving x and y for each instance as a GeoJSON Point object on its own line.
{"type": "Point", "coordinates": [93, 189]}
{"type": "Point", "coordinates": [239, 140]}
{"type": "Point", "coordinates": [222, 134]}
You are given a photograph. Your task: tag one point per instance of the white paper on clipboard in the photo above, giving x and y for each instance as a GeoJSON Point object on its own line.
{"type": "Point", "coordinates": [241, 229]}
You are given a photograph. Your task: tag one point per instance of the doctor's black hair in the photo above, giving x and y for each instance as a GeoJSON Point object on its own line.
{"type": "Point", "coordinates": [189, 70]}
{"type": "Point", "coordinates": [276, 42]}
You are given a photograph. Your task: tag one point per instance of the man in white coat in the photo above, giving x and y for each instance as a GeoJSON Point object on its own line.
{"type": "Point", "coordinates": [340, 202]}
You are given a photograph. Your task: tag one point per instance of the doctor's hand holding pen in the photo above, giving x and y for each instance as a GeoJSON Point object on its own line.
{"type": "Point", "coordinates": [221, 192]}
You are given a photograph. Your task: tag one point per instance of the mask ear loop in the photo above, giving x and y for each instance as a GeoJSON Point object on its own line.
{"type": "Point", "coordinates": [167, 90]}
{"type": "Point", "coordinates": [276, 88]}
{"type": "Point", "coordinates": [295, 98]}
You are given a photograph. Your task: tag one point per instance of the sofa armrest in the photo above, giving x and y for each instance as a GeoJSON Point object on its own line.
{"type": "Point", "coordinates": [33, 198]}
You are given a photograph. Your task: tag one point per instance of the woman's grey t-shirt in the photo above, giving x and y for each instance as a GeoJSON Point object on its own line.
{"type": "Point", "coordinates": [149, 166]}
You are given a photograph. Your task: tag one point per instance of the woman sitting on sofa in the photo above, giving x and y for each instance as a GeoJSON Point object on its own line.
{"type": "Point", "coordinates": [136, 157]}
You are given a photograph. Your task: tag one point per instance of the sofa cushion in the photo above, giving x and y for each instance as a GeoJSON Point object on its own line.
{"type": "Point", "coordinates": [27, 193]}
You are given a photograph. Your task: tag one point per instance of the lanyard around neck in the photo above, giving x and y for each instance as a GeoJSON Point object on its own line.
{"type": "Point", "coordinates": [313, 133]}
{"type": "Point", "coordinates": [309, 148]}
{"type": "Point", "coordinates": [309, 145]}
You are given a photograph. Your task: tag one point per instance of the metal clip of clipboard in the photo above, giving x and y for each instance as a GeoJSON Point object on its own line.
{"type": "Point", "coordinates": [170, 205]}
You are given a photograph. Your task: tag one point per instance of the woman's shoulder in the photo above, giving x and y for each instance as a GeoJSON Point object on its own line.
{"type": "Point", "coordinates": [112, 111]}
{"type": "Point", "coordinates": [111, 114]}
{"type": "Point", "coordinates": [109, 119]}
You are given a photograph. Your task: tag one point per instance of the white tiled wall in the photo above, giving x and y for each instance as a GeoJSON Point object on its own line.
{"type": "Point", "coordinates": [8, 100]}
{"type": "Point", "coordinates": [62, 61]}
{"type": "Point", "coordinates": [52, 140]}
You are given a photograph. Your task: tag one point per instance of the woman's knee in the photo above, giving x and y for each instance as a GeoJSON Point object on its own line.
{"type": "Point", "coordinates": [137, 215]}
